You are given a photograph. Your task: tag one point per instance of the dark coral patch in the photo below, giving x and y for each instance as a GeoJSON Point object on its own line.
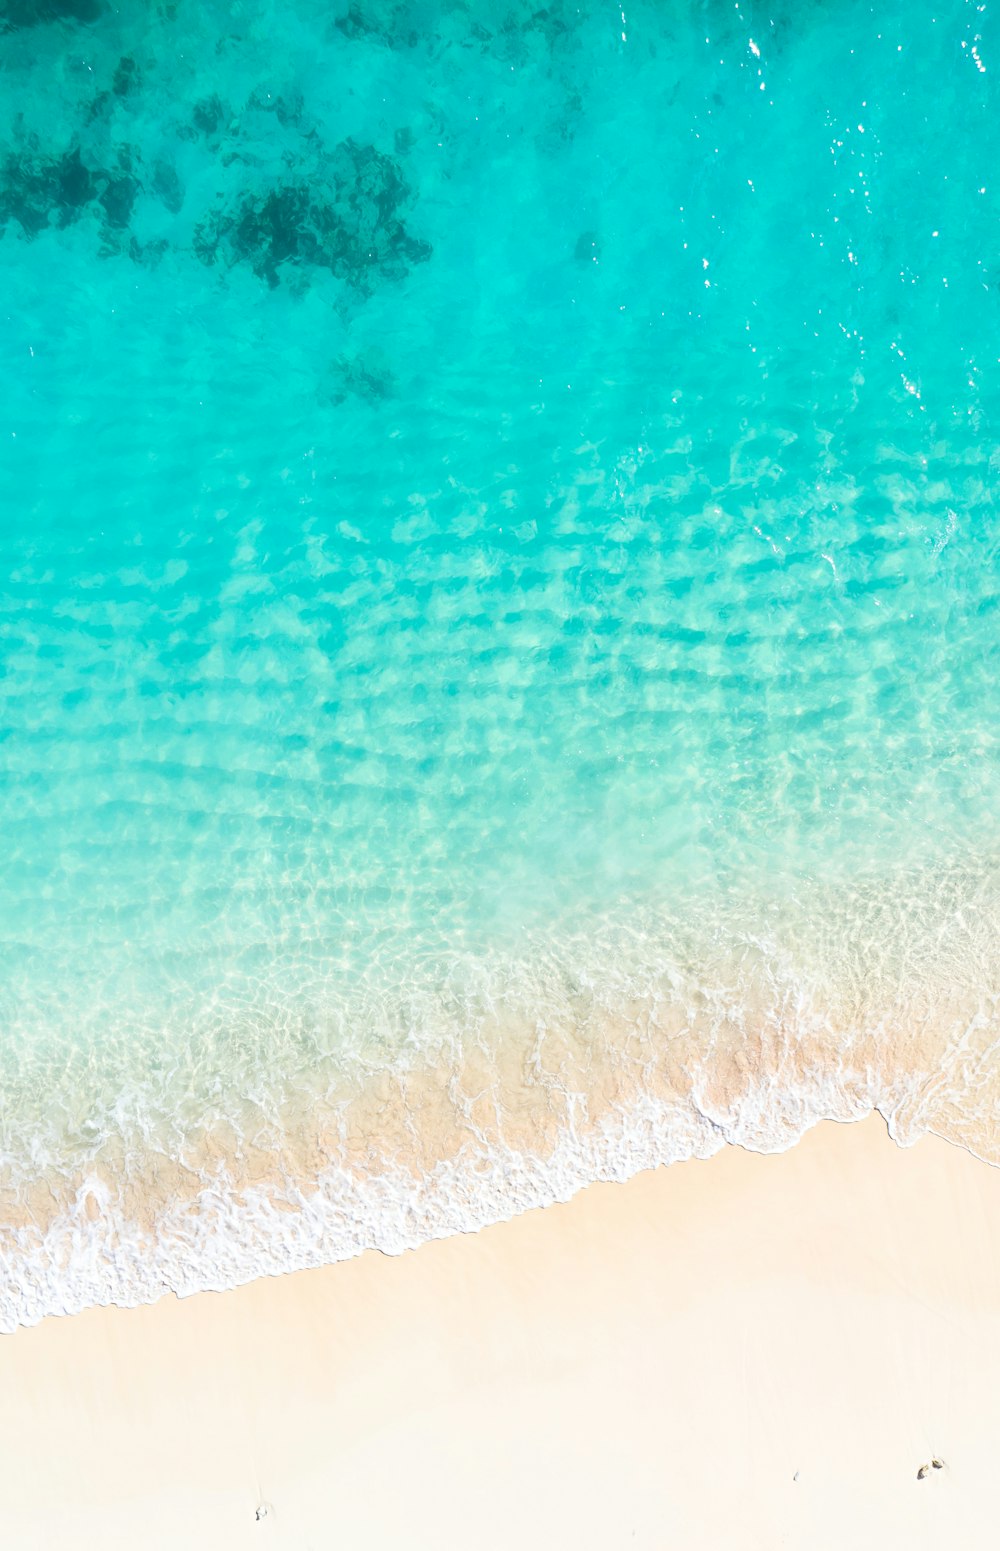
{"type": "Point", "coordinates": [208, 115]}
{"type": "Point", "coordinates": [356, 23]}
{"type": "Point", "coordinates": [368, 377]}
{"type": "Point", "coordinates": [117, 199]}
{"type": "Point", "coordinates": [32, 13]}
{"type": "Point", "coordinates": [39, 191]}
{"type": "Point", "coordinates": [126, 77]}
{"type": "Point", "coordinates": [349, 221]}
{"type": "Point", "coordinates": [167, 185]}
{"type": "Point", "coordinates": [73, 182]}
{"type": "Point", "coordinates": [101, 108]}
{"type": "Point", "coordinates": [370, 22]}
{"type": "Point", "coordinates": [342, 211]}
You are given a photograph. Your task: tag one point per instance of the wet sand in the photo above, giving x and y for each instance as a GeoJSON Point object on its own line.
{"type": "Point", "coordinates": [750, 1351]}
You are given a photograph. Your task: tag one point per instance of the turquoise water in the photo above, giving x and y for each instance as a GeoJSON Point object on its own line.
{"type": "Point", "coordinates": [500, 602]}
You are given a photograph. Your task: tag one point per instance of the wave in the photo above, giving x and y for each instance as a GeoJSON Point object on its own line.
{"type": "Point", "coordinates": [501, 1083]}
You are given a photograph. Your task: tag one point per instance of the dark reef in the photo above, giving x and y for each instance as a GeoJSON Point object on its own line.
{"type": "Point", "coordinates": [208, 115]}
{"type": "Point", "coordinates": [342, 213]}
{"type": "Point", "coordinates": [39, 191]}
{"type": "Point", "coordinates": [117, 199]}
{"type": "Point", "coordinates": [511, 36]}
{"type": "Point", "coordinates": [126, 77]}
{"type": "Point", "coordinates": [167, 185]}
{"type": "Point", "coordinates": [348, 220]}
{"type": "Point", "coordinates": [271, 196]}
{"type": "Point", "coordinates": [32, 13]}
{"type": "Point", "coordinates": [364, 22]}
{"type": "Point", "coordinates": [369, 377]}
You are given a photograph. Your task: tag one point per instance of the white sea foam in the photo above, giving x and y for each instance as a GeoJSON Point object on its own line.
{"type": "Point", "coordinates": [594, 1073]}
{"type": "Point", "coordinates": [218, 1240]}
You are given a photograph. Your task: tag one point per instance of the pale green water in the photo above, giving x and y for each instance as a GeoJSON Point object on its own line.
{"type": "Point", "coordinates": [498, 521]}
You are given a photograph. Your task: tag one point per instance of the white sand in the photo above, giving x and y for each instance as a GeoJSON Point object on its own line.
{"type": "Point", "coordinates": [652, 1365]}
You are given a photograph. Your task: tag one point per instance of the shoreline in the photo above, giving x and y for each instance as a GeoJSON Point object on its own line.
{"type": "Point", "coordinates": [519, 1114]}
{"type": "Point", "coordinates": [506, 1083]}
{"type": "Point", "coordinates": [753, 1349]}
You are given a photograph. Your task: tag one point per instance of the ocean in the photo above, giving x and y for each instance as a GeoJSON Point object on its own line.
{"type": "Point", "coordinates": [499, 655]}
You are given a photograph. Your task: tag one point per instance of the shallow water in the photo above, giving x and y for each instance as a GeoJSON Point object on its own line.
{"type": "Point", "coordinates": [500, 597]}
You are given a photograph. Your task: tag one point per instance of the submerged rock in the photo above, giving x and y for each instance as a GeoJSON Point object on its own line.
{"type": "Point", "coordinates": [394, 29]}
{"type": "Point", "coordinates": [208, 115]}
{"type": "Point", "coordinates": [167, 186]}
{"type": "Point", "coordinates": [348, 220]}
{"type": "Point", "coordinates": [126, 77]}
{"type": "Point", "coordinates": [117, 200]}
{"type": "Point", "coordinates": [39, 191]}
{"type": "Point", "coordinates": [368, 377]}
{"type": "Point", "coordinates": [32, 13]}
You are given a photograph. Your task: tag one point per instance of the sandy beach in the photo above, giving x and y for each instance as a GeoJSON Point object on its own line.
{"type": "Point", "coordinates": [751, 1351]}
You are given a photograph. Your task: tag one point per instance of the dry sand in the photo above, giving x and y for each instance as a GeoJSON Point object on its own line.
{"type": "Point", "coordinates": [752, 1352]}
